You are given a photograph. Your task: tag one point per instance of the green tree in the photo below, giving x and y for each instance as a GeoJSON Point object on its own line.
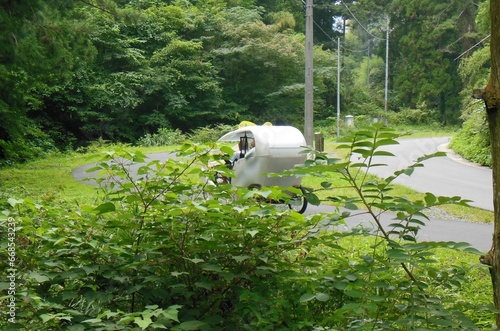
{"type": "Point", "coordinates": [473, 140]}
{"type": "Point", "coordinates": [424, 43]}
{"type": "Point", "coordinates": [259, 65]}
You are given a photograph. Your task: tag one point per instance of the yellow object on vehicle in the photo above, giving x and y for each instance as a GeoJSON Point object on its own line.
{"type": "Point", "coordinates": [244, 124]}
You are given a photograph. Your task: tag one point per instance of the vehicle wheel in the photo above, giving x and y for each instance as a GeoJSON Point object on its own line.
{"type": "Point", "coordinates": [254, 187]}
{"type": "Point", "coordinates": [298, 202]}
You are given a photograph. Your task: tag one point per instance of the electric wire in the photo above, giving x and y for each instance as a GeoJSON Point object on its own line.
{"type": "Point", "coordinates": [477, 44]}
{"type": "Point", "coordinates": [356, 19]}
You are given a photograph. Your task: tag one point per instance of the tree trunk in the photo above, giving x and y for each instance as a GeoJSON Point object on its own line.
{"type": "Point", "coordinates": [491, 97]}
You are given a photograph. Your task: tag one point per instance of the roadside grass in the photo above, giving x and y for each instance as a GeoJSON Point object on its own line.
{"type": "Point", "coordinates": [50, 178]}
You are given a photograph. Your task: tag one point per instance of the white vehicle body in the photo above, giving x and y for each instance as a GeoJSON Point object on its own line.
{"type": "Point", "coordinates": [277, 148]}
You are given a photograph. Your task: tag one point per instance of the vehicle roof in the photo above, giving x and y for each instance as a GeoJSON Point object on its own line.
{"type": "Point", "coordinates": [269, 136]}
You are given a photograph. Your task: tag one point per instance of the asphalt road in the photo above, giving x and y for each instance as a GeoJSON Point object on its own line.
{"type": "Point", "coordinates": [446, 176]}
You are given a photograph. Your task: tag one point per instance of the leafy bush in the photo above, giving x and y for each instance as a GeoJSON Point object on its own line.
{"type": "Point", "coordinates": [472, 141]}
{"type": "Point", "coordinates": [32, 145]}
{"type": "Point", "coordinates": [167, 250]}
{"type": "Point", "coordinates": [210, 134]}
{"type": "Point", "coordinates": [164, 137]}
{"type": "Point", "coordinates": [407, 116]}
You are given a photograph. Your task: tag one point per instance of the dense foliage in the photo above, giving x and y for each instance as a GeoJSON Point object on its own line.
{"type": "Point", "coordinates": [75, 71]}
{"type": "Point", "coordinates": [167, 250]}
{"type": "Point", "coordinates": [473, 140]}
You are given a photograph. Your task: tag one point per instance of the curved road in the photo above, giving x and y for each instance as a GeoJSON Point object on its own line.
{"type": "Point", "coordinates": [446, 176]}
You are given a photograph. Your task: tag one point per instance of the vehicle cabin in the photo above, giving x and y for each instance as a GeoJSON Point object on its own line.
{"type": "Point", "coordinates": [263, 150]}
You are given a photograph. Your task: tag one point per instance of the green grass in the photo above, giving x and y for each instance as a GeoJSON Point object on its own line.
{"type": "Point", "coordinates": [51, 178]}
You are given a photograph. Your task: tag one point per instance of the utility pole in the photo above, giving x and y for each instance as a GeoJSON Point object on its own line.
{"type": "Point", "coordinates": [338, 88]}
{"type": "Point", "coordinates": [386, 63]}
{"type": "Point", "coordinates": [309, 96]}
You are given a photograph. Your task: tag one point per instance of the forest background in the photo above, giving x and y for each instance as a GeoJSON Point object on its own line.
{"type": "Point", "coordinates": [72, 72]}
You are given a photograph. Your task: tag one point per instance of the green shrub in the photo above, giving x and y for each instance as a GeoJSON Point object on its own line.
{"type": "Point", "coordinates": [407, 116]}
{"type": "Point", "coordinates": [32, 145]}
{"type": "Point", "coordinates": [164, 137]}
{"type": "Point", "coordinates": [167, 250]}
{"type": "Point", "coordinates": [210, 134]}
{"type": "Point", "coordinates": [472, 141]}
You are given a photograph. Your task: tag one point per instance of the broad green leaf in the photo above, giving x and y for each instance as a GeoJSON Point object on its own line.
{"type": "Point", "coordinates": [307, 297]}
{"type": "Point", "coordinates": [354, 293]}
{"type": "Point", "coordinates": [172, 312]}
{"type": "Point", "coordinates": [376, 298]}
{"type": "Point", "coordinates": [38, 277]}
{"type": "Point", "coordinates": [90, 268]}
{"type": "Point", "coordinates": [397, 254]}
{"type": "Point", "coordinates": [204, 284]}
{"type": "Point", "coordinates": [351, 206]}
{"type": "Point", "coordinates": [252, 233]}
{"type": "Point", "coordinates": [60, 241]}
{"type": "Point", "coordinates": [143, 323]}
{"type": "Point", "coordinates": [326, 184]}
{"type": "Point", "coordinates": [212, 267]}
{"type": "Point", "coordinates": [92, 169]}
{"type": "Point", "coordinates": [322, 297]}
{"type": "Point", "coordinates": [313, 199]}
{"type": "Point", "coordinates": [385, 142]}
{"type": "Point", "coordinates": [14, 202]}
{"type": "Point", "coordinates": [430, 199]}
{"type": "Point", "coordinates": [382, 153]}
{"type": "Point", "coordinates": [105, 208]}
{"type": "Point", "coordinates": [227, 150]}
{"type": "Point", "coordinates": [92, 320]}
{"type": "Point", "coordinates": [241, 258]}
{"type": "Point", "coordinates": [351, 277]}
{"type": "Point", "coordinates": [47, 317]}
{"type": "Point", "coordinates": [177, 274]}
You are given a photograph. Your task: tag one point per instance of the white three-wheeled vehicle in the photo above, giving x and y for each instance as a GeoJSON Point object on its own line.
{"type": "Point", "coordinates": [268, 149]}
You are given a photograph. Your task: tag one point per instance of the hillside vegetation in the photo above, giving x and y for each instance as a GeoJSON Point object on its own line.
{"type": "Point", "coordinates": [72, 72]}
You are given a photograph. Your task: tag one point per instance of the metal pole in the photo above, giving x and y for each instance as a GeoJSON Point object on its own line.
{"type": "Point", "coordinates": [309, 97]}
{"type": "Point", "coordinates": [338, 88]}
{"type": "Point", "coordinates": [386, 63]}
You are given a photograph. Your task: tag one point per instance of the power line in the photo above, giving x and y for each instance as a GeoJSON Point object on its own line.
{"type": "Point", "coordinates": [460, 56]}
{"type": "Point", "coordinates": [356, 19]}
{"type": "Point", "coordinates": [326, 34]}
